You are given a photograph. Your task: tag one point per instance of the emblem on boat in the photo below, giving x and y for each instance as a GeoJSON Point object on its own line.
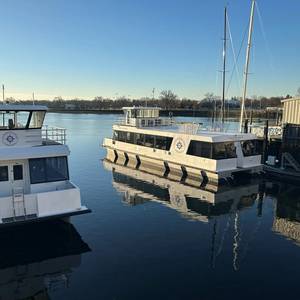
{"type": "Point", "coordinates": [9, 139]}
{"type": "Point", "coordinates": [179, 145]}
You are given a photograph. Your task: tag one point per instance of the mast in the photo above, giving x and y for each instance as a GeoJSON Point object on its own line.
{"type": "Point", "coordinates": [247, 65]}
{"type": "Point", "coordinates": [3, 96]}
{"type": "Point", "coordinates": [224, 64]}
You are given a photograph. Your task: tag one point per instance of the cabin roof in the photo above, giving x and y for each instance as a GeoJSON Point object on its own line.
{"type": "Point", "coordinates": [290, 99]}
{"type": "Point", "coordinates": [202, 135]}
{"type": "Point", "coordinates": [141, 107]}
{"type": "Point", "coordinates": [22, 107]}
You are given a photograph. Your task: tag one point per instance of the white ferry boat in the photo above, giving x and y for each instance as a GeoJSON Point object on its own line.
{"type": "Point", "coordinates": [34, 175]}
{"type": "Point", "coordinates": [146, 141]}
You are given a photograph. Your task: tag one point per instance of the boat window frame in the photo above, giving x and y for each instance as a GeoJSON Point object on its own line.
{"type": "Point", "coordinates": [257, 147]}
{"type": "Point", "coordinates": [43, 159]}
{"type": "Point", "coordinates": [212, 155]}
{"type": "Point", "coordinates": [143, 137]}
{"type": "Point", "coordinates": [27, 126]}
{"type": "Point", "coordinates": [7, 174]}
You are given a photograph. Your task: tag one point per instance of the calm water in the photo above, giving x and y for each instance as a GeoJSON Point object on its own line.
{"type": "Point", "coordinates": [150, 238]}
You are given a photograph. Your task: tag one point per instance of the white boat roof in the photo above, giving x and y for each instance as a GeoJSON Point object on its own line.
{"type": "Point", "coordinates": [201, 135]}
{"type": "Point", "coordinates": [213, 136]}
{"type": "Point", "coordinates": [22, 107]}
{"type": "Point", "coordinates": [141, 107]}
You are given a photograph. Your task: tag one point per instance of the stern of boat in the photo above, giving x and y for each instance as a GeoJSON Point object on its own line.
{"type": "Point", "coordinates": [25, 208]}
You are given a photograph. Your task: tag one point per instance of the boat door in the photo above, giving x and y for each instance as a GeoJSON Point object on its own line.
{"type": "Point", "coordinates": [16, 174]}
{"type": "Point", "coordinates": [11, 177]}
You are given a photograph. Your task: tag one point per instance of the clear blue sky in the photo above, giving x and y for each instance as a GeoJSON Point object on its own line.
{"type": "Point", "coordinates": [85, 48]}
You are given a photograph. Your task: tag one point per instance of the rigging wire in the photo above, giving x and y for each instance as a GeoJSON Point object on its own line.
{"type": "Point", "coordinates": [267, 45]}
{"type": "Point", "coordinates": [237, 58]}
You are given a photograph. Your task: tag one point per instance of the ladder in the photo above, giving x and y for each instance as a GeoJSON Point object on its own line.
{"type": "Point", "coordinates": [289, 160]}
{"type": "Point", "coordinates": [19, 208]}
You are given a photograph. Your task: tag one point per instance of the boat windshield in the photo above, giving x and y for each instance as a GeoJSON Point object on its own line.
{"type": "Point", "coordinates": [21, 119]}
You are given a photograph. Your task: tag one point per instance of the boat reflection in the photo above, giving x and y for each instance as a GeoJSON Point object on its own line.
{"type": "Point", "coordinates": [192, 202]}
{"type": "Point", "coordinates": [226, 211]}
{"type": "Point", "coordinates": [36, 260]}
{"type": "Point", "coordinates": [287, 211]}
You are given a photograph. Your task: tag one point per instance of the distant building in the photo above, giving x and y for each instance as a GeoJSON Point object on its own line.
{"type": "Point", "coordinates": [291, 111]}
{"type": "Point", "coordinates": [69, 106]}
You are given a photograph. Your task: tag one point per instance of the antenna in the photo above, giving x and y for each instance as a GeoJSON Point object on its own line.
{"type": "Point", "coordinates": [224, 64]}
{"type": "Point", "coordinates": [247, 65]}
{"type": "Point", "coordinates": [33, 98]}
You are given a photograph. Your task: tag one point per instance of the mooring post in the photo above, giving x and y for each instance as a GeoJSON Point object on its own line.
{"type": "Point", "coordinates": [265, 143]}
{"type": "Point", "coordinates": [246, 126]}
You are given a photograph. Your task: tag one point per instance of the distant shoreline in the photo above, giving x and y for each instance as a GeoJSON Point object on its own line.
{"type": "Point", "coordinates": [233, 113]}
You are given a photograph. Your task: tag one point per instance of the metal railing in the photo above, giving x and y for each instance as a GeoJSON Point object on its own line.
{"type": "Point", "coordinates": [54, 134]}
{"type": "Point", "coordinates": [259, 131]}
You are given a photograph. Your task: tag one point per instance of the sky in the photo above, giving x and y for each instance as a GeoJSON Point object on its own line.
{"type": "Point", "coordinates": [114, 48]}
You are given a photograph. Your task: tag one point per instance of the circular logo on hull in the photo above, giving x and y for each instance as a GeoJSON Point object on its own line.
{"type": "Point", "coordinates": [179, 145]}
{"type": "Point", "coordinates": [9, 139]}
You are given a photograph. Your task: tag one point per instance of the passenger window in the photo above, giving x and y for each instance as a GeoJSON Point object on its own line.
{"type": "Point", "coordinates": [3, 173]}
{"type": "Point", "coordinates": [251, 148]}
{"type": "Point", "coordinates": [224, 151]}
{"type": "Point", "coordinates": [18, 172]}
{"type": "Point", "coordinates": [56, 169]}
{"type": "Point", "coordinates": [202, 149]}
{"type": "Point", "coordinates": [163, 143]}
{"type": "Point", "coordinates": [48, 169]}
{"type": "Point", "coordinates": [140, 139]}
{"type": "Point", "coordinates": [149, 141]}
{"type": "Point", "coordinates": [37, 170]}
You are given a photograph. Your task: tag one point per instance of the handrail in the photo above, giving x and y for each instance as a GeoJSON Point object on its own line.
{"type": "Point", "coordinates": [54, 134]}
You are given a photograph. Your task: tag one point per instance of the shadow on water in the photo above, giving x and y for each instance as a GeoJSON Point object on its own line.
{"type": "Point", "coordinates": [36, 260]}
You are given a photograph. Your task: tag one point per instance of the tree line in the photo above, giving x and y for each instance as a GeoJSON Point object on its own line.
{"type": "Point", "coordinates": [167, 100]}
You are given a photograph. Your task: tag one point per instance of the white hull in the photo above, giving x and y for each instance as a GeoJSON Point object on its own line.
{"type": "Point", "coordinates": [41, 206]}
{"type": "Point", "coordinates": [176, 165]}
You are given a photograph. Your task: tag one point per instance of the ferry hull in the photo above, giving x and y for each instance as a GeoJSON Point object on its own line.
{"type": "Point", "coordinates": [174, 170]}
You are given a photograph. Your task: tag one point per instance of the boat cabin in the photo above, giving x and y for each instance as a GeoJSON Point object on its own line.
{"type": "Point", "coordinates": [17, 121]}
{"type": "Point", "coordinates": [34, 175]}
{"type": "Point", "coordinates": [15, 117]}
{"type": "Point", "coordinates": [144, 117]}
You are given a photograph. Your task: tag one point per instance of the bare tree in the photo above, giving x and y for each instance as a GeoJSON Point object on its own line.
{"type": "Point", "coordinates": [168, 99]}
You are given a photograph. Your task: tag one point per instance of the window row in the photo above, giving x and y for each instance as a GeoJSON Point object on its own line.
{"type": "Point", "coordinates": [212, 151]}
{"type": "Point", "coordinates": [48, 169]}
{"type": "Point", "coordinates": [146, 140]}
{"type": "Point", "coordinates": [142, 113]}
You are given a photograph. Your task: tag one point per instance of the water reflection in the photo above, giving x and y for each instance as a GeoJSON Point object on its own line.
{"type": "Point", "coordinates": [228, 210]}
{"type": "Point", "coordinates": [38, 259]}
{"type": "Point", "coordinates": [287, 208]}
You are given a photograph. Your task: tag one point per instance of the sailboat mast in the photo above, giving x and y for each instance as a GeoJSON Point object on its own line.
{"type": "Point", "coordinates": [247, 65]}
{"type": "Point", "coordinates": [3, 97]}
{"type": "Point", "coordinates": [224, 63]}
